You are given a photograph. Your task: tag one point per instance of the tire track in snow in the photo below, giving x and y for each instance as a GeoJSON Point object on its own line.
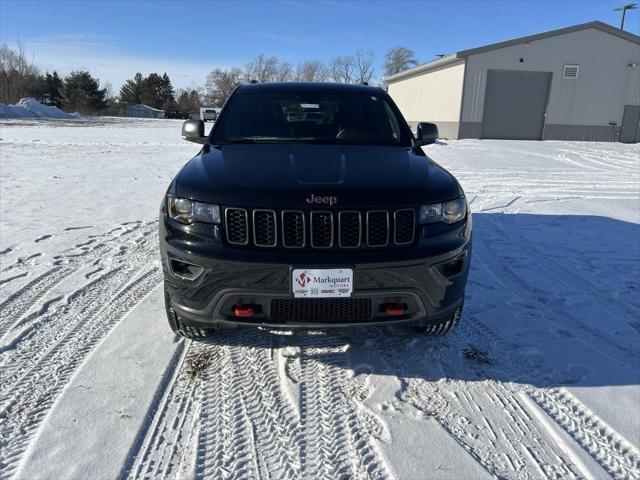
{"type": "Point", "coordinates": [511, 440]}
{"type": "Point", "coordinates": [247, 427]}
{"type": "Point", "coordinates": [337, 434]}
{"type": "Point", "coordinates": [484, 416]}
{"type": "Point", "coordinates": [42, 331]}
{"type": "Point", "coordinates": [620, 459]}
{"type": "Point", "coordinates": [167, 447]}
{"type": "Point", "coordinates": [617, 456]}
{"type": "Point", "coordinates": [17, 304]}
{"type": "Point", "coordinates": [29, 400]}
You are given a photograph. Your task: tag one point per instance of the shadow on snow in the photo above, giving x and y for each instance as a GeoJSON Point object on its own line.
{"type": "Point", "coordinates": [551, 301]}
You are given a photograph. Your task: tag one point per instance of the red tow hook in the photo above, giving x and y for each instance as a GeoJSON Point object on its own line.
{"type": "Point", "coordinates": [394, 309]}
{"type": "Point", "coordinates": [242, 311]}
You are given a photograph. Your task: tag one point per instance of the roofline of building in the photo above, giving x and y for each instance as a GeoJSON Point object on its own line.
{"type": "Point", "coordinates": [515, 41]}
{"type": "Point", "coordinates": [147, 107]}
{"type": "Point", "coordinates": [433, 64]}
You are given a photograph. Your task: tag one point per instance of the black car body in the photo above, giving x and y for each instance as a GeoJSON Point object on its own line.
{"type": "Point", "coordinates": [313, 205]}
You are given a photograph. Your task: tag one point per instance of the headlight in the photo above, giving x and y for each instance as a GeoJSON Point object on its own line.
{"type": "Point", "coordinates": [184, 210]}
{"type": "Point", "coordinates": [448, 212]}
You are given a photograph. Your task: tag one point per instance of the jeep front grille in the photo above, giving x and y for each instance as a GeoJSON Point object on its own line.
{"type": "Point", "coordinates": [320, 229]}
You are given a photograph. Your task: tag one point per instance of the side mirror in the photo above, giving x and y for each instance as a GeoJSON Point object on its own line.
{"type": "Point", "coordinates": [427, 133]}
{"type": "Point", "coordinates": [193, 131]}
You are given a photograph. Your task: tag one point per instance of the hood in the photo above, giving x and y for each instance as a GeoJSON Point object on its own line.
{"type": "Point", "coordinates": [277, 175]}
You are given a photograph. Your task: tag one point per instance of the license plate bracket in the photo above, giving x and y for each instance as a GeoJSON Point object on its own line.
{"type": "Point", "coordinates": [322, 282]}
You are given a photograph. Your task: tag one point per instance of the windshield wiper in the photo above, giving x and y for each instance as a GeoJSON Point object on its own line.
{"type": "Point", "coordinates": [309, 140]}
{"type": "Point", "coordinates": [259, 140]}
{"type": "Point", "coordinates": [239, 140]}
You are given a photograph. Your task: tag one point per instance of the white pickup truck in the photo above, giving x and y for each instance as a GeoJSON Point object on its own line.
{"type": "Point", "coordinates": [209, 113]}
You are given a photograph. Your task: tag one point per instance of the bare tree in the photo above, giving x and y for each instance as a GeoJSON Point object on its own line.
{"type": "Point", "coordinates": [311, 71]}
{"type": "Point", "coordinates": [262, 68]}
{"type": "Point", "coordinates": [221, 83]}
{"type": "Point", "coordinates": [284, 72]}
{"type": "Point", "coordinates": [363, 66]}
{"type": "Point", "coordinates": [398, 59]}
{"type": "Point", "coordinates": [17, 75]}
{"type": "Point", "coordinates": [108, 87]}
{"type": "Point", "coordinates": [342, 69]}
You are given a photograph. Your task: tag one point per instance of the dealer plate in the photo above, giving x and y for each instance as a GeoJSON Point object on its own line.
{"type": "Point", "coordinates": [322, 283]}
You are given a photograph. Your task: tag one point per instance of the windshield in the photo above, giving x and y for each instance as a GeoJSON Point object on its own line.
{"type": "Point", "coordinates": [327, 117]}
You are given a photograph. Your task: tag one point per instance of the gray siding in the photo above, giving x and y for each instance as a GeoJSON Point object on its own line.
{"type": "Point", "coordinates": [579, 108]}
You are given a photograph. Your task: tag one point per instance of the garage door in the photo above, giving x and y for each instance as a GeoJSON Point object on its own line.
{"type": "Point", "coordinates": [515, 104]}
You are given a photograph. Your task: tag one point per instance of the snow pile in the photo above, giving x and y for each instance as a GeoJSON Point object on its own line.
{"type": "Point", "coordinates": [31, 108]}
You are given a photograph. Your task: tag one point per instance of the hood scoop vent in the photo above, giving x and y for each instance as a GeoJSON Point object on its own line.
{"type": "Point", "coordinates": [306, 171]}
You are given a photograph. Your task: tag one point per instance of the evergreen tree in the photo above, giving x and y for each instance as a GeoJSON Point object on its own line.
{"type": "Point", "coordinates": [131, 90]}
{"type": "Point", "coordinates": [52, 89]}
{"type": "Point", "coordinates": [82, 93]}
{"type": "Point", "coordinates": [152, 88]}
{"type": "Point", "coordinates": [167, 94]}
{"type": "Point", "coordinates": [188, 101]}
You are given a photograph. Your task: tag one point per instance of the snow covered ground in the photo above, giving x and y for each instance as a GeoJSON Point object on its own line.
{"type": "Point", "coordinates": [541, 380]}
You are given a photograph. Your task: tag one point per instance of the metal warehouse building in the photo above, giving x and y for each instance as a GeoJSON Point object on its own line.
{"type": "Point", "coordinates": [575, 83]}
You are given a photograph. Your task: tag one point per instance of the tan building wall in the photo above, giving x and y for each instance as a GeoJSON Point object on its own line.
{"type": "Point", "coordinates": [579, 108]}
{"type": "Point", "coordinates": [432, 97]}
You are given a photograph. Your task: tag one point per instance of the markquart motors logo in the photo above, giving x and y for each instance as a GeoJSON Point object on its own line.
{"type": "Point", "coordinates": [304, 279]}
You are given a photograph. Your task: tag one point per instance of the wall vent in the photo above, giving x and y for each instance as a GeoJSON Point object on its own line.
{"type": "Point", "coordinates": [570, 71]}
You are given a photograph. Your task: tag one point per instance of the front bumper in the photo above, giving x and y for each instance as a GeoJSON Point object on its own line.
{"type": "Point", "coordinates": [428, 279]}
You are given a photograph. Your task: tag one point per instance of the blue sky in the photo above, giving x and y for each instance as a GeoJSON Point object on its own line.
{"type": "Point", "coordinates": [187, 39]}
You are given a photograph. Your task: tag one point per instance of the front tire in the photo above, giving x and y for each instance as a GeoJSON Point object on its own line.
{"type": "Point", "coordinates": [176, 324]}
{"type": "Point", "coordinates": [442, 328]}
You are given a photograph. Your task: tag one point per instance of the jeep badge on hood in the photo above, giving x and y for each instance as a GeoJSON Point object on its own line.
{"type": "Point", "coordinates": [325, 200]}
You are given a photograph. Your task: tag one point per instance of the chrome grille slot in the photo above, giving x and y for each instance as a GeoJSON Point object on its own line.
{"type": "Point", "coordinates": [265, 228]}
{"type": "Point", "coordinates": [237, 226]}
{"type": "Point", "coordinates": [377, 228]}
{"type": "Point", "coordinates": [321, 229]}
{"type": "Point", "coordinates": [349, 229]}
{"type": "Point", "coordinates": [404, 226]}
{"type": "Point", "coordinates": [293, 229]}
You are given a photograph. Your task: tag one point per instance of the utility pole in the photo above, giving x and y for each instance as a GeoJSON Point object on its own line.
{"type": "Point", "coordinates": [623, 9]}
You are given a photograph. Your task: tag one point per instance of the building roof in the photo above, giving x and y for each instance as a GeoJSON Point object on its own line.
{"type": "Point", "coordinates": [142, 106]}
{"type": "Point", "coordinates": [453, 57]}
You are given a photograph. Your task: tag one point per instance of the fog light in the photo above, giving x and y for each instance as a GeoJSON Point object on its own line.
{"type": "Point", "coordinates": [185, 270]}
{"type": "Point", "coordinates": [452, 267]}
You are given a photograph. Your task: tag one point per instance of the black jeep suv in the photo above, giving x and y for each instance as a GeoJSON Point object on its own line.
{"type": "Point", "coordinates": [313, 205]}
